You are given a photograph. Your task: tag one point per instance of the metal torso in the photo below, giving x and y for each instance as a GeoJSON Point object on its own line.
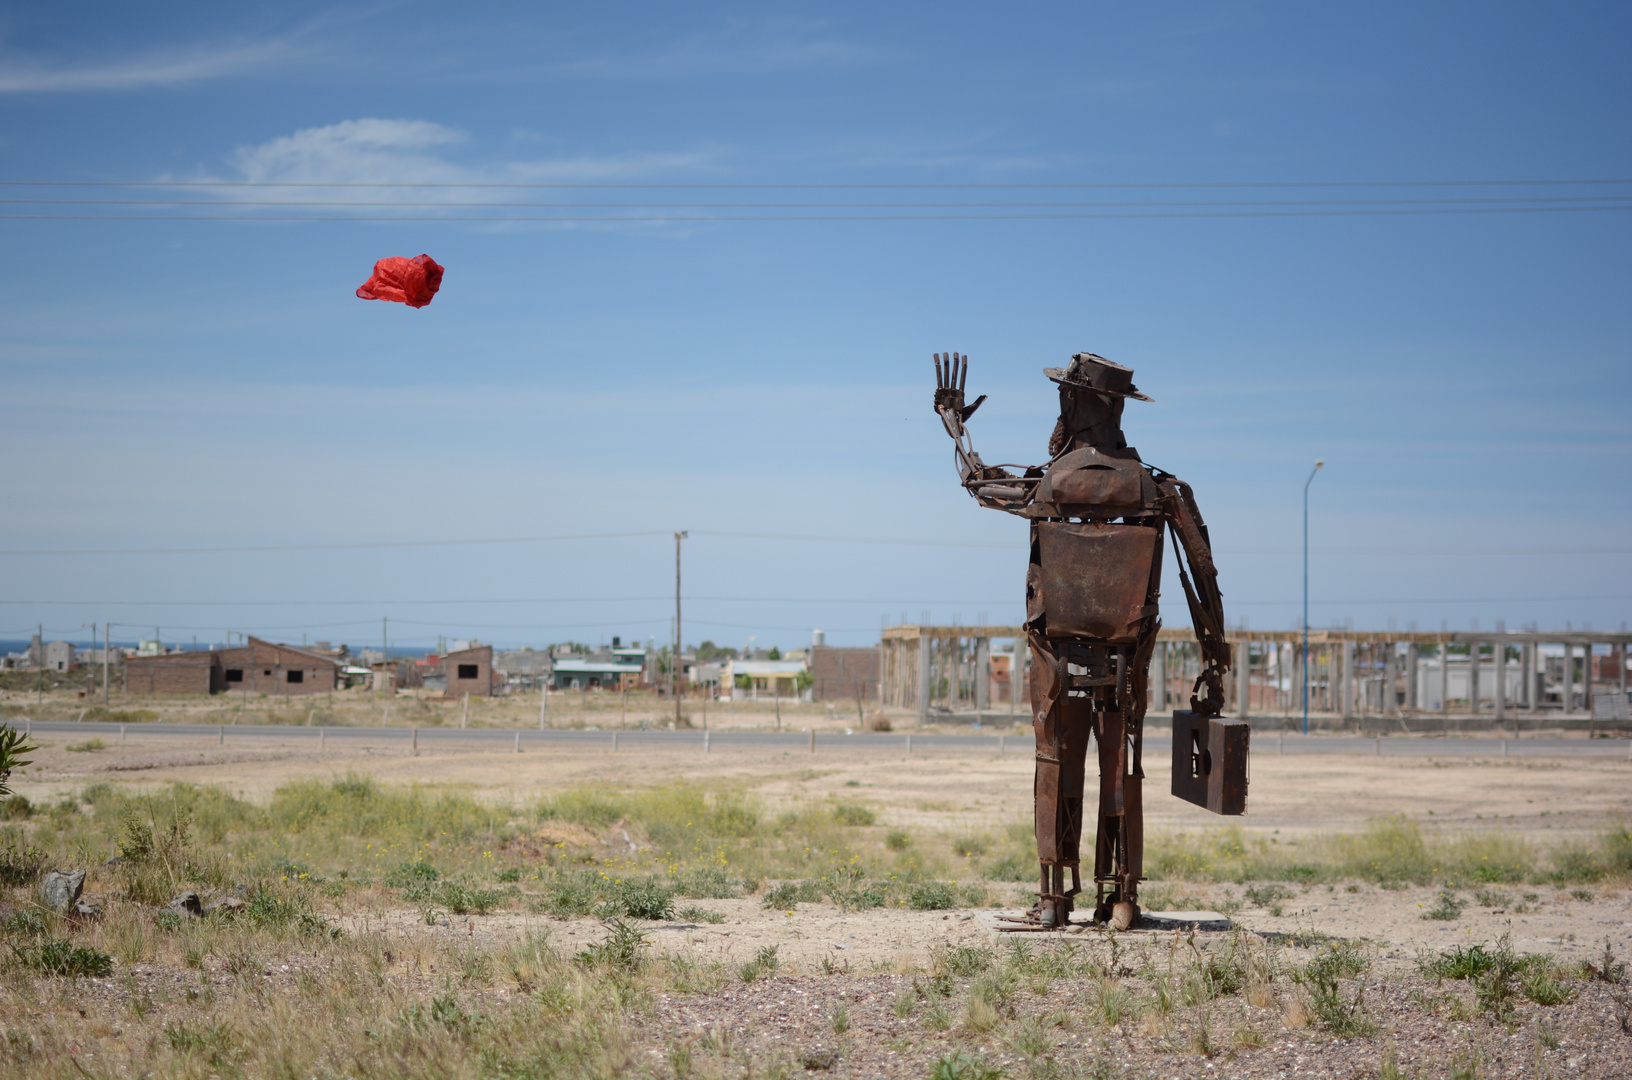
{"type": "Point", "coordinates": [1091, 614]}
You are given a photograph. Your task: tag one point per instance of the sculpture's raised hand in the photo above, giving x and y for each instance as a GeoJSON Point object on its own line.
{"type": "Point", "coordinates": [951, 373]}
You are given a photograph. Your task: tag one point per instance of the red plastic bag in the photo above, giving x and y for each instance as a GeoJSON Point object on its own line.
{"type": "Point", "coordinates": [404, 280]}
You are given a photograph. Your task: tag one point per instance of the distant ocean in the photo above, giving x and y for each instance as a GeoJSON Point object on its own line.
{"type": "Point", "coordinates": [17, 645]}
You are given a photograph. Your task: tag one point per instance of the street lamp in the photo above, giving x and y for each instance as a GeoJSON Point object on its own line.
{"type": "Point", "coordinates": [1318, 466]}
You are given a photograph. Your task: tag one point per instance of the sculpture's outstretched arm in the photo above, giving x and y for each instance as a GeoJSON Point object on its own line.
{"type": "Point", "coordinates": [1206, 602]}
{"type": "Point", "coordinates": [991, 485]}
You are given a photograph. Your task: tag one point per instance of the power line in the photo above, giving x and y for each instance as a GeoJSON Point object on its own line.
{"type": "Point", "coordinates": [1066, 185]}
{"type": "Point", "coordinates": [681, 219]}
{"type": "Point", "coordinates": [1461, 201]}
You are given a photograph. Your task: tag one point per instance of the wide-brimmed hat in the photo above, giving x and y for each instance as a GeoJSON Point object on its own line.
{"type": "Point", "coordinates": [1096, 373]}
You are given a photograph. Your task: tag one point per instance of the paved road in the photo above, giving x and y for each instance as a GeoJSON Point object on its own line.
{"type": "Point", "coordinates": [792, 741]}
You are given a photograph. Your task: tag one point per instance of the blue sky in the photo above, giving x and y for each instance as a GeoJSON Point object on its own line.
{"type": "Point", "coordinates": [210, 383]}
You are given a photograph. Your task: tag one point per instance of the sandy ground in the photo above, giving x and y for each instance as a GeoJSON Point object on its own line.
{"type": "Point", "coordinates": [1544, 799]}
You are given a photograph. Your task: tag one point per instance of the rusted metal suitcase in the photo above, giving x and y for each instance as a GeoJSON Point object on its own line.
{"type": "Point", "coordinates": [1210, 761]}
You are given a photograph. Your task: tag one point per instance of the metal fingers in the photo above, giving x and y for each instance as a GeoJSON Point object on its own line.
{"type": "Point", "coordinates": [954, 375]}
{"type": "Point", "coordinates": [940, 374]}
{"type": "Point", "coordinates": [963, 375]}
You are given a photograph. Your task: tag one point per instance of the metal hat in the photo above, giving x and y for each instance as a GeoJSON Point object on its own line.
{"type": "Point", "coordinates": [1096, 373]}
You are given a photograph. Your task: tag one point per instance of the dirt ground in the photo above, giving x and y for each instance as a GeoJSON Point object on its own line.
{"type": "Point", "coordinates": [1546, 800]}
{"type": "Point", "coordinates": [867, 963]}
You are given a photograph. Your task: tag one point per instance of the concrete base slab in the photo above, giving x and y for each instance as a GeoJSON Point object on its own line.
{"type": "Point", "coordinates": [1149, 922]}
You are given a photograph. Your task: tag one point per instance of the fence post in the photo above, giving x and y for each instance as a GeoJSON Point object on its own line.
{"type": "Point", "coordinates": [1504, 749]}
{"type": "Point", "coordinates": [322, 737]}
{"type": "Point", "coordinates": [812, 740]}
{"type": "Point", "coordinates": [220, 734]}
{"type": "Point", "coordinates": [614, 742]}
{"type": "Point", "coordinates": [909, 744]}
{"type": "Point", "coordinates": [705, 741]}
{"type": "Point", "coordinates": [416, 740]}
{"type": "Point", "coordinates": [121, 733]}
{"type": "Point", "coordinates": [518, 742]}
{"type": "Point", "coordinates": [1000, 739]}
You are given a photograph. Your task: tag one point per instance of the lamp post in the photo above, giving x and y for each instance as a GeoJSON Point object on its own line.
{"type": "Point", "coordinates": [1318, 466]}
{"type": "Point", "coordinates": [678, 672]}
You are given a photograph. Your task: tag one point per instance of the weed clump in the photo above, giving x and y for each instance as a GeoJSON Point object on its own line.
{"type": "Point", "coordinates": [765, 962]}
{"type": "Point", "coordinates": [851, 814]}
{"type": "Point", "coordinates": [64, 958]}
{"type": "Point", "coordinates": [1446, 908]}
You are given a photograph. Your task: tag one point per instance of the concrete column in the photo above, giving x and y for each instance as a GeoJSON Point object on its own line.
{"type": "Point", "coordinates": [1243, 677]}
{"type": "Point", "coordinates": [922, 703]}
{"type": "Point", "coordinates": [1526, 679]}
{"type": "Point", "coordinates": [1473, 677]}
{"type": "Point", "coordinates": [1346, 679]}
{"type": "Point", "coordinates": [1620, 666]}
{"type": "Point", "coordinates": [1444, 675]}
{"type": "Point", "coordinates": [1569, 677]}
{"type": "Point", "coordinates": [1158, 679]}
{"type": "Point", "coordinates": [1391, 674]}
{"type": "Point", "coordinates": [1498, 657]}
{"type": "Point", "coordinates": [1411, 696]}
{"type": "Point", "coordinates": [983, 675]}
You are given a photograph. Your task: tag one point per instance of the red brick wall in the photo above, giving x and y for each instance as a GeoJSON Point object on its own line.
{"type": "Point", "coordinates": [839, 674]}
{"type": "Point", "coordinates": [481, 658]}
{"type": "Point", "coordinates": [266, 668]}
{"type": "Point", "coordinates": [173, 673]}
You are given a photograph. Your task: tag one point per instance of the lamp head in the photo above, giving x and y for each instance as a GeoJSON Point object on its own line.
{"type": "Point", "coordinates": [1320, 464]}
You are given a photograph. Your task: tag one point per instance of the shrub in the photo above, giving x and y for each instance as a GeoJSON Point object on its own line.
{"type": "Point", "coordinates": [622, 950]}
{"type": "Point", "coordinates": [850, 814]}
{"type": "Point", "coordinates": [65, 958]}
{"type": "Point", "coordinates": [20, 865]}
{"type": "Point", "coordinates": [641, 898]}
{"type": "Point", "coordinates": [765, 962]}
{"type": "Point", "coordinates": [962, 1066]}
{"type": "Point", "coordinates": [970, 846]}
{"type": "Point", "coordinates": [932, 896]}
{"type": "Point", "coordinates": [413, 873]}
{"type": "Point", "coordinates": [701, 914]}
{"type": "Point", "coordinates": [707, 883]}
{"type": "Point", "coordinates": [15, 808]}
{"type": "Point", "coordinates": [1458, 962]}
{"type": "Point", "coordinates": [1447, 907]}
{"type": "Point", "coordinates": [897, 840]}
{"type": "Point", "coordinates": [789, 893]}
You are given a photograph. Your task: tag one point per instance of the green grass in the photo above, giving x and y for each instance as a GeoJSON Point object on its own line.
{"type": "Point", "coordinates": [1389, 850]}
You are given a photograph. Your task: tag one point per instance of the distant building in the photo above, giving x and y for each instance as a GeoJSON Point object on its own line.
{"type": "Point", "coordinates": [607, 669]}
{"type": "Point", "coordinates": [754, 679]}
{"type": "Point", "coordinates": [469, 671]}
{"type": "Point", "coordinates": [258, 667]}
{"type": "Point", "coordinates": [840, 674]}
{"type": "Point", "coordinates": [59, 655]}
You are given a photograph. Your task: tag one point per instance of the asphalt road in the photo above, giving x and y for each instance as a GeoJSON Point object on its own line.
{"type": "Point", "coordinates": [791, 741]}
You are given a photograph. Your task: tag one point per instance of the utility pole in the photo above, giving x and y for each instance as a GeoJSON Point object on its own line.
{"type": "Point", "coordinates": [1306, 483]}
{"type": "Point", "coordinates": [679, 678]}
{"type": "Point", "coordinates": [107, 634]}
{"type": "Point", "coordinates": [39, 658]}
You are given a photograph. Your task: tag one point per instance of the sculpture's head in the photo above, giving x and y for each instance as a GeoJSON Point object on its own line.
{"type": "Point", "coordinates": [1092, 392]}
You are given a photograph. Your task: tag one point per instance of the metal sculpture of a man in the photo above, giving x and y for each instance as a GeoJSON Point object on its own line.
{"type": "Point", "coordinates": [1098, 515]}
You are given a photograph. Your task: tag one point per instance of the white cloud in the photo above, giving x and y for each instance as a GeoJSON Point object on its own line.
{"type": "Point", "coordinates": [354, 151]}
{"type": "Point", "coordinates": [164, 68]}
{"type": "Point", "coordinates": [384, 152]}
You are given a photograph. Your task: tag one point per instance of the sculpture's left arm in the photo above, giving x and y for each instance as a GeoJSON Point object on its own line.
{"type": "Point", "coordinates": [1206, 602]}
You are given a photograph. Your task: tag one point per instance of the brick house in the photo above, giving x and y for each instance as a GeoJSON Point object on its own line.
{"type": "Point", "coordinates": [469, 671]}
{"type": "Point", "coordinates": [173, 673]}
{"type": "Point", "coordinates": [259, 667]}
{"type": "Point", "coordinates": [844, 674]}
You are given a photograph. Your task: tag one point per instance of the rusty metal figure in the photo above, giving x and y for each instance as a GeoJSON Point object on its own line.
{"type": "Point", "coordinates": [1097, 516]}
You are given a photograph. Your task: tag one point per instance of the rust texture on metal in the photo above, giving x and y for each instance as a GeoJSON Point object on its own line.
{"type": "Point", "coordinates": [1098, 515]}
{"type": "Point", "coordinates": [1210, 761]}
